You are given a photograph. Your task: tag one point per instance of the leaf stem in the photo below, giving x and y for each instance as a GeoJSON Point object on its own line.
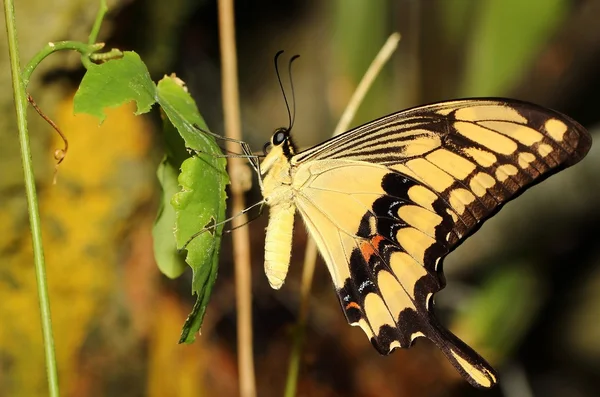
{"type": "Point", "coordinates": [83, 48]}
{"type": "Point", "coordinates": [240, 235]}
{"type": "Point", "coordinates": [310, 253]}
{"type": "Point", "coordinates": [20, 97]}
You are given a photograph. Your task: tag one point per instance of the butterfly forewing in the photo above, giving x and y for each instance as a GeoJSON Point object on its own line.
{"type": "Point", "coordinates": [387, 201]}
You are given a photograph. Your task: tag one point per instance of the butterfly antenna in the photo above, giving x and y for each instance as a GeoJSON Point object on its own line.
{"type": "Point", "coordinates": [293, 116]}
{"type": "Point", "coordinates": [287, 105]}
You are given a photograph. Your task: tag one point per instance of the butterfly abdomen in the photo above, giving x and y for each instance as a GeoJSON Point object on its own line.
{"type": "Point", "coordinates": [278, 242]}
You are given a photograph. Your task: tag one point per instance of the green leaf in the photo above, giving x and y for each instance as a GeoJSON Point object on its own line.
{"type": "Point", "coordinates": [114, 83]}
{"type": "Point", "coordinates": [183, 113]}
{"type": "Point", "coordinates": [169, 260]}
{"type": "Point", "coordinates": [200, 203]}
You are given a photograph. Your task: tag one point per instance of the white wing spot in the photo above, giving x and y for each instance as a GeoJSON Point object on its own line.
{"type": "Point", "coordinates": [364, 285]}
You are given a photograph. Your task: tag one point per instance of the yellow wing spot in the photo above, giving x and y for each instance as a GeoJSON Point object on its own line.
{"type": "Point", "coordinates": [490, 112]}
{"type": "Point", "coordinates": [428, 299]}
{"type": "Point", "coordinates": [460, 198]}
{"type": "Point", "coordinates": [393, 294]}
{"type": "Point", "coordinates": [525, 158]}
{"type": "Point", "coordinates": [420, 218]}
{"type": "Point", "coordinates": [422, 196]}
{"type": "Point", "coordinates": [430, 174]}
{"type": "Point", "coordinates": [521, 133]}
{"type": "Point", "coordinates": [415, 243]}
{"type": "Point", "coordinates": [556, 129]}
{"type": "Point", "coordinates": [482, 376]}
{"type": "Point", "coordinates": [482, 157]}
{"type": "Point", "coordinates": [422, 145]}
{"type": "Point", "coordinates": [492, 140]}
{"type": "Point", "coordinates": [408, 271]}
{"type": "Point", "coordinates": [544, 149]}
{"type": "Point", "coordinates": [372, 225]}
{"type": "Point", "coordinates": [377, 312]}
{"type": "Point", "coordinates": [406, 171]}
{"type": "Point", "coordinates": [505, 171]}
{"type": "Point", "coordinates": [452, 214]}
{"type": "Point", "coordinates": [452, 163]}
{"type": "Point", "coordinates": [416, 335]}
{"type": "Point", "coordinates": [447, 239]}
{"type": "Point", "coordinates": [395, 344]}
{"type": "Point", "coordinates": [481, 182]}
{"type": "Point", "coordinates": [362, 323]}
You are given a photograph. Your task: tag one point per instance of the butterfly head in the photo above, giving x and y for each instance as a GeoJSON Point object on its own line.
{"type": "Point", "coordinates": [279, 149]}
{"type": "Point", "coordinates": [281, 138]}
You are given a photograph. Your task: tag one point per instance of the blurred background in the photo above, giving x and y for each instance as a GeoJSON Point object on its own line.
{"type": "Point", "coordinates": [524, 291]}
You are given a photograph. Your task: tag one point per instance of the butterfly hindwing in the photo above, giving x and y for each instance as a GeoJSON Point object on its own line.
{"type": "Point", "coordinates": [385, 267]}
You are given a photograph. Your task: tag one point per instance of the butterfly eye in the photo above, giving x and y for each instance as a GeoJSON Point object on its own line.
{"type": "Point", "coordinates": [266, 148]}
{"type": "Point", "coordinates": [279, 136]}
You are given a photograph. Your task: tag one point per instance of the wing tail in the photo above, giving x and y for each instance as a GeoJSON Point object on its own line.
{"type": "Point", "coordinates": [471, 365]}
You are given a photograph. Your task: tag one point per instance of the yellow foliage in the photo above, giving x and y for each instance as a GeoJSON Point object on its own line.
{"type": "Point", "coordinates": [103, 180]}
{"type": "Point", "coordinates": [174, 370]}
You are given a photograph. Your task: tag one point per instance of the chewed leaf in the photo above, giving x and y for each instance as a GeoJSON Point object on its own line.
{"type": "Point", "coordinates": [114, 83]}
{"type": "Point", "coordinates": [200, 202]}
{"type": "Point", "coordinates": [169, 259]}
{"type": "Point", "coordinates": [200, 205]}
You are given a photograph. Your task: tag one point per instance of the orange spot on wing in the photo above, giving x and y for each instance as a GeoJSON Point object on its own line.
{"type": "Point", "coordinates": [369, 247]}
{"type": "Point", "coordinates": [376, 240]}
{"type": "Point", "coordinates": [352, 305]}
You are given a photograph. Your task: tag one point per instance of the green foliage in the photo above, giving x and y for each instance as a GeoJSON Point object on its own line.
{"type": "Point", "coordinates": [201, 201]}
{"type": "Point", "coordinates": [196, 196]}
{"type": "Point", "coordinates": [169, 260]}
{"type": "Point", "coordinates": [497, 322]}
{"type": "Point", "coordinates": [114, 83]}
{"type": "Point", "coordinates": [359, 30]}
{"type": "Point", "coordinates": [181, 110]}
{"type": "Point", "coordinates": [499, 49]}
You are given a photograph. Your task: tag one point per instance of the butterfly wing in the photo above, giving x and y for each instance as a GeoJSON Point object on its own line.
{"type": "Point", "coordinates": [476, 153]}
{"type": "Point", "coordinates": [386, 202]}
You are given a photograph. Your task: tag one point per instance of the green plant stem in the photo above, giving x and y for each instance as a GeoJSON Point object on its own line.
{"type": "Point", "coordinates": [98, 22]}
{"type": "Point", "coordinates": [83, 48]}
{"type": "Point", "coordinates": [86, 50]}
{"type": "Point", "coordinates": [308, 270]}
{"type": "Point", "coordinates": [34, 216]}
